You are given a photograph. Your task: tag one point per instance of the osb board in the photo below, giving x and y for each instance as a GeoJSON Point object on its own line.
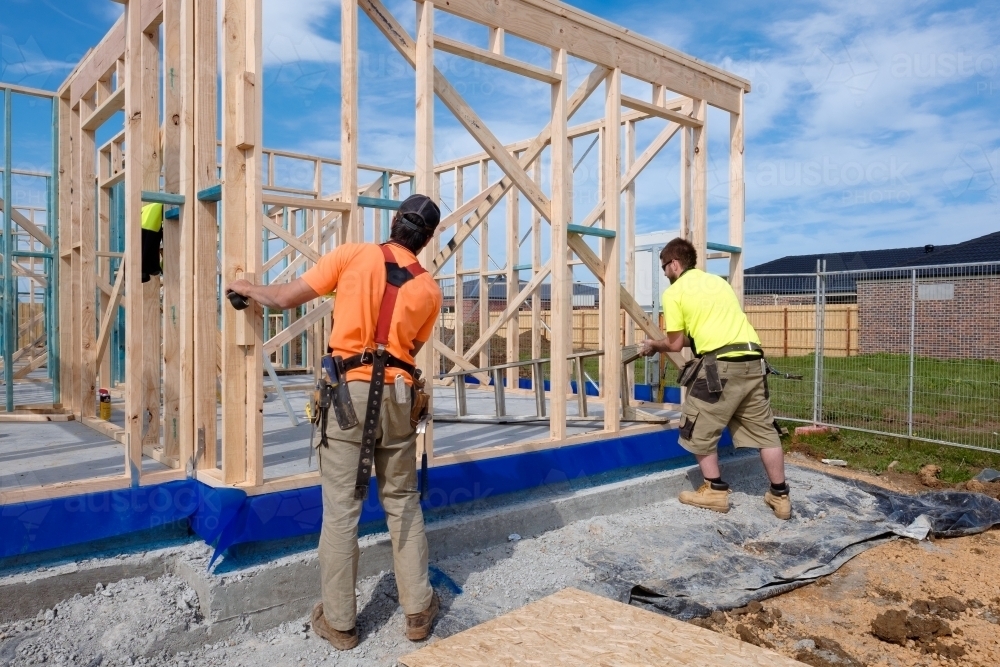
{"type": "Point", "coordinates": [574, 628]}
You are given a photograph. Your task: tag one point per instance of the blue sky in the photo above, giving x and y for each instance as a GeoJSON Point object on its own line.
{"type": "Point", "coordinates": [870, 124]}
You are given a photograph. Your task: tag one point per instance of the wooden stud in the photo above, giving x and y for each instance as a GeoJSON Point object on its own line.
{"type": "Point", "coordinates": [684, 190]}
{"type": "Point", "coordinates": [185, 233]}
{"type": "Point", "coordinates": [629, 232]}
{"type": "Point", "coordinates": [252, 114]}
{"type": "Point", "coordinates": [234, 240]}
{"type": "Point", "coordinates": [536, 267]}
{"type": "Point", "coordinates": [205, 302]}
{"type": "Point", "coordinates": [424, 181]}
{"type": "Point", "coordinates": [484, 258]}
{"type": "Point", "coordinates": [513, 282]}
{"type": "Point", "coordinates": [352, 229]}
{"type": "Point", "coordinates": [699, 184]}
{"type": "Point", "coordinates": [172, 100]}
{"type": "Point", "coordinates": [562, 276]}
{"type": "Point", "coordinates": [73, 357]}
{"type": "Point", "coordinates": [135, 415]}
{"type": "Point", "coordinates": [152, 332]}
{"type": "Point", "coordinates": [87, 268]}
{"type": "Point", "coordinates": [611, 253]}
{"type": "Point", "coordinates": [459, 281]}
{"type": "Point", "coordinates": [497, 41]}
{"type": "Point", "coordinates": [66, 171]}
{"type": "Point", "coordinates": [103, 362]}
{"type": "Point", "coordinates": [737, 202]}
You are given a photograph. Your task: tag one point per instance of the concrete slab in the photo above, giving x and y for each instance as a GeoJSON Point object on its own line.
{"type": "Point", "coordinates": [40, 454]}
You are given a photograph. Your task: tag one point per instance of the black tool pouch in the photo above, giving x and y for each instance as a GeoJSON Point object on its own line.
{"type": "Point", "coordinates": [689, 372]}
{"type": "Point", "coordinates": [419, 400]}
{"type": "Point", "coordinates": [343, 406]}
{"type": "Point", "coordinates": [340, 394]}
{"type": "Point", "coordinates": [712, 374]}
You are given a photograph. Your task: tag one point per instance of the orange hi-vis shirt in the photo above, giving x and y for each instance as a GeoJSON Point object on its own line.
{"type": "Point", "coordinates": [356, 273]}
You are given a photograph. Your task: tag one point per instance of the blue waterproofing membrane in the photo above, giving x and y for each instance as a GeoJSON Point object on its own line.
{"type": "Point", "coordinates": [225, 517]}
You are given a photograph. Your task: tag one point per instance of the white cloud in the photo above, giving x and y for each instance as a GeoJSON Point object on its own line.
{"type": "Point", "coordinates": [26, 65]}
{"type": "Point", "coordinates": [863, 127]}
{"type": "Point", "coordinates": [300, 31]}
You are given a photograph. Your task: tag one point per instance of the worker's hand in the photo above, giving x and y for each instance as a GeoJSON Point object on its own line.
{"type": "Point", "coordinates": [240, 286]}
{"type": "Point", "coordinates": [646, 348]}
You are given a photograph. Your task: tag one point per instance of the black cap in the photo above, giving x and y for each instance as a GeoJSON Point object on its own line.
{"type": "Point", "coordinates": [419, 212]}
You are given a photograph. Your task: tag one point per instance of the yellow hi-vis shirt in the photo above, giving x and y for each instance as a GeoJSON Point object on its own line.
{"type": "Point", "coordinates": [152, 217]}
{"type": "Point", "coordinates": [705, 307]}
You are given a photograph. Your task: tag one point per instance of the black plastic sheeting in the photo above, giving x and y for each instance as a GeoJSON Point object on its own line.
{"type": "Point", "coordinates": [707, 561]}
{"type": "Point", "coordinates": [951, 513]}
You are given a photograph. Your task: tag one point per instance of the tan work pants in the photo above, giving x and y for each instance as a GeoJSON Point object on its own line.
{"type": "Point", "coordinates": [396, 471]}
{"type": "Point", "coordinates": [742, 406]}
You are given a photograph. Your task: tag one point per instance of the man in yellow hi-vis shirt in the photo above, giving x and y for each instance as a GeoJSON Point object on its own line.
{"type": "Point", "coordinates": [151, 237]}
{"type": "Point", "coordinates": [726, 383]}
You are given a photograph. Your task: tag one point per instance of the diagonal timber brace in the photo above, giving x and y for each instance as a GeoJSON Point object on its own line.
{"type": "Point", "coordinates": [494, 194]}
{"type": "Point", "coordinates": [512, 168]}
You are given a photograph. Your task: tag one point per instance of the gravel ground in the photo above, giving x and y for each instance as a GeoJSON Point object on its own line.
{"type": "Point", "coordinates": [157, 623]}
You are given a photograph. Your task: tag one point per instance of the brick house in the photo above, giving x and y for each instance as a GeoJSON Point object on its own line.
{"type": "Point", "coordinates": [956, 313]}
{"type": "Point", "coordinates": [954, 307]}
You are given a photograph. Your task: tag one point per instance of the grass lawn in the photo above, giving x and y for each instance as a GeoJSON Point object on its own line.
{"type": "Point", "coordinates": [874, 453]}
{"type": "Point", "coordinates": [953, 400]}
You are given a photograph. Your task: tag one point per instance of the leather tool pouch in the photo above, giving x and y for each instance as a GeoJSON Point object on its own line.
{"type": "Point", "coordinates": [712, 374]}
{"type": "Point", "coordinates": [689, 372]}
{"type": "Point", "coordinates": [419, 400]}
{"type": "Point", "coordinates": [343, 406]}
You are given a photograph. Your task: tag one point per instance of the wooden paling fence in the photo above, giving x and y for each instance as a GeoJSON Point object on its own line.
{"type": "Point", "coordinates": [790, 331]}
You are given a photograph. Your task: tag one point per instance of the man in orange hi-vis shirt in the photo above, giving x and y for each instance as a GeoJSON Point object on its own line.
{"type": "Point", "coordinates": [383, 313]}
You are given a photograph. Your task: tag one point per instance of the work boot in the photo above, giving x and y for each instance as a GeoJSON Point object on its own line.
{"type": "Point", "coordinates": [707, 498]}
{"type": "Point", "coordinates": [342, 641]}
{"type": "Point", "coordinates": [781, 504]}
{"type": "Point", "coordinates": [419, 625]}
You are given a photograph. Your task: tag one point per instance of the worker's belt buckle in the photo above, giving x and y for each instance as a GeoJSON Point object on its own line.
{"type": "Point", "coordinates": [367, 356]}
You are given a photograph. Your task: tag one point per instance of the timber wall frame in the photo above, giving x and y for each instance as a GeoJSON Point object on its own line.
{"type": "Point", "coordinates": [27, 253]}
{"type": "Point", "coordinates": [181, 346]}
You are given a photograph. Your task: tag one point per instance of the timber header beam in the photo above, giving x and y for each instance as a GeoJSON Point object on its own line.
{"type": "Point", "coordinates": [557, 25]}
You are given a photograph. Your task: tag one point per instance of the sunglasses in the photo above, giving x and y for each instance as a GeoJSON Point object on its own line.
{"type": "Point", "coordinates": [663, 265]}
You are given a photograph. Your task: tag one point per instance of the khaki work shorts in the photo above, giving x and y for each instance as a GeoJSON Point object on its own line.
{"type": "Point", "coordinates": [742, 406]}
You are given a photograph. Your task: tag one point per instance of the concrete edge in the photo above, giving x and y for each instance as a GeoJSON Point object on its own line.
{"type": "Point", "coordinates": [266, 594]}
{"type": "Point", "coordinates": [23, 597]}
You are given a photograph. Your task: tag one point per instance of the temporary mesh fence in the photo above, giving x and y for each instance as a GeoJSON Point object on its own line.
{"type": "Point", "coordinates": [912, 352]}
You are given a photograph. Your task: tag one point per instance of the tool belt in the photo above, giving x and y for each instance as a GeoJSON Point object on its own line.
{"type": "Point", "coordinates": [367, 358]}
{"type": "Point", "coordinates": [710, 360]}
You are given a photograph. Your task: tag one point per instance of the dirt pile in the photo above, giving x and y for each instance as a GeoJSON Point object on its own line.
{"type": "Point", "coordinates": [760, 626]}
{"type": "Point", "coordinates": [928, 476]}
{"type": "Point", "coordinates": [902, 604]}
